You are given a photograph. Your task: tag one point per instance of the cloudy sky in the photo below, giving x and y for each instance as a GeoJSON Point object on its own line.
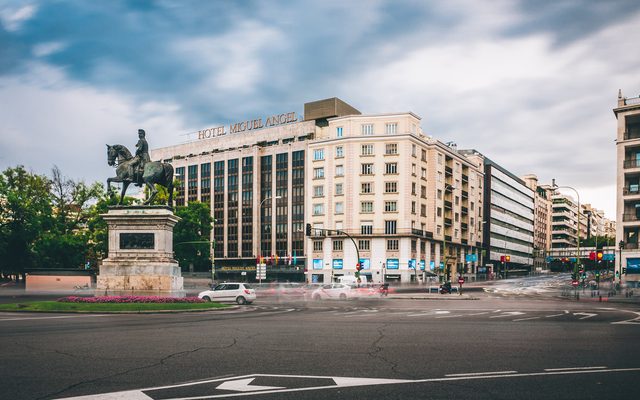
{"type": "Point", "coordinates": [530, 84]}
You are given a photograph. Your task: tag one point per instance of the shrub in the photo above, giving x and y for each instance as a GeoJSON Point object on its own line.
{"type": "Point", "coordinates": [129, 299]}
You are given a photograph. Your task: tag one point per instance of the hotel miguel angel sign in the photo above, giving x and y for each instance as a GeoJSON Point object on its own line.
{"type": "Point", "coordinates": [254, 124]}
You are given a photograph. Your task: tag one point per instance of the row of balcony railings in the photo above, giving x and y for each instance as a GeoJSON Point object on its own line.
{"type": "Point", "coordinates": [630, 217]}
{"type": "Point", "coordinates": [315, 233]}
{"type": "Point", "coordinates": [630, 190]}
{"type": "Point", "coordinates": [631, 163]}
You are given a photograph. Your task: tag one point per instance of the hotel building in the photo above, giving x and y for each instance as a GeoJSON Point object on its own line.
{"type": "Point", "coordinates": [405, 198]}
{"type": "Point", "coordinates": [627, 113]}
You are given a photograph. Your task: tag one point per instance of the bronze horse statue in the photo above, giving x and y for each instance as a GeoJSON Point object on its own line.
{"type": "Point", "coordinates": [154, 172]}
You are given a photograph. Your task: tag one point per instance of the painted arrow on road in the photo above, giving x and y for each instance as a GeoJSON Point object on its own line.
{"type": "Point", "coordinates": [244, 385]}
{"type": "Point", "coordinates": [586, 314]}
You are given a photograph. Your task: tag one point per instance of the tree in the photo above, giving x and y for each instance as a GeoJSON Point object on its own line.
{"type": "Point", "coordinates": [25, 212]}
{"type": "Point", "coordinates": [191, 236]}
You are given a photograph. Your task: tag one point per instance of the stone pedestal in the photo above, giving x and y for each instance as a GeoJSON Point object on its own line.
{"type": "Point", "coordinates": [140, 259]}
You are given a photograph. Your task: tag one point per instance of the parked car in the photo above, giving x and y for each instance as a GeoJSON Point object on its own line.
{"type": "Point", "coordinates": [240, 293]}
{"type": "Point", "coordinates": [338, 291]}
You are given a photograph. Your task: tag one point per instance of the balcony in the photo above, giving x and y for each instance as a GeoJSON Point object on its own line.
{"type": "Point", "coordinates": [465, 178]}
{"type": "Point", "coordinates": [631, 163]}
{"type": "Point", "coordinates": [447, 221]}
{"type": "Point", "coordinates": [632, 134]}
{"type": "Point", "coordinates": [464, 226]}
{"type": "Point", "coordinates": [448, 170]}
{"type": "Point", "coordinates": [465, 194]}
{"type": "Point", "coordinates": [631, 190]}
{"type": "Point", "coordinates": [464, 241]}
{"type": "Point", "coordinates": [465, 210]}
{"type": "Point", "coordinates": [630, 217]}
{"type": "Point", "coordinates": [447, 204]}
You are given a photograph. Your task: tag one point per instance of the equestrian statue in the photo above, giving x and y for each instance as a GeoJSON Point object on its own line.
{"type": "Point", "coordinates": [139, 169]}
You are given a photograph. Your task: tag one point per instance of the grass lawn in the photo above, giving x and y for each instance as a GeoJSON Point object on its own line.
{"type": "Point", "coordinates": [55, 306]}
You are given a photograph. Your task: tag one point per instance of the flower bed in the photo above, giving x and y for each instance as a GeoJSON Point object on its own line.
{"type": "Point", "coordinates": [130, 299]}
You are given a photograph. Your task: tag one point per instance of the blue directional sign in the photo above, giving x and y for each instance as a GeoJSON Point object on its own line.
{"type": "Point", "coordinates": [432, 265]}
{"type": "Point", "coordinates": [422, 265]}
{"type": "Point", "coordinates": [317, 263]}
{"type": "Point", "coordinates": [412, 263]}
{"type": "Point", "coordinates": [608, 257]}
{"type": "Point", "coordinates": [365, 263]}
{"type": "Point", "coordinates": [392, 263]}
{"type": "Point", "coordinates": [471, 257]}
{"type": "Point", "coordinates": [337, 263]}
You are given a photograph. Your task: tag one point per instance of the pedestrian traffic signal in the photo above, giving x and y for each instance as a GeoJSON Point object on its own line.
{"type": "Point", "coordinates": [308, 231]}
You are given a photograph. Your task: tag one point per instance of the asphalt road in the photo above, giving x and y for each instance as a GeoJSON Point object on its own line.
{"type": "Point", "coordinates": [496, 347]}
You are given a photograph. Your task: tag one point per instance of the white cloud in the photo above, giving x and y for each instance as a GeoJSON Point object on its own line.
{"type": "Point", "coordinates": [48, 48]}
{"type": "Point", "coordinates": [52, 121]}
{"type": "Point", "coordinates": [12, 18]}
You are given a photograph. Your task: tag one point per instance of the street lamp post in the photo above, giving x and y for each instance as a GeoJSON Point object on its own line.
{"type": "Point", "coordinates": [261, 226]}
{"type": "Point", "coordinates": [449, 188]}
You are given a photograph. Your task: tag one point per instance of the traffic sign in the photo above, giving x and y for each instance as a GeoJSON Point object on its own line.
{"type": "Point", "coordinates": [574, 283]}
{"type": "Point", "coordinates": [461, 280]}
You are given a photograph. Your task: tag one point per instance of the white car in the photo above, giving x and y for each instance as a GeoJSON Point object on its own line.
{"type": "Point", "coordinates": [339, 291]}
{"type": "Point", "coordinates": [241, 293]}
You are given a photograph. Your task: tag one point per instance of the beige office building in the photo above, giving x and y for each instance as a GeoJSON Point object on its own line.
{"type": "Point", "coordinates": [405, 199]}
{"type": "Point", "coordinates": [542, 223]}
{"type": "Point", "coordinates": [627, 113]}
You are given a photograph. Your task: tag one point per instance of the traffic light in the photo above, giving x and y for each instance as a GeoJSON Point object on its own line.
{"type": "Point", "coordinates": [308, 231]}
{"type": "Point", "coordinates": [599, 256]}
{"type": "Point", "coordinates": [624, 270]}
{"type": "Point", "coordinates": [502, 258]}
{"type": "Point", "coordinates": [507, 258]}
{"type": "Point", "coordinates": [592, 256]}
{"type": "Point", "coordinates": [358, 267]}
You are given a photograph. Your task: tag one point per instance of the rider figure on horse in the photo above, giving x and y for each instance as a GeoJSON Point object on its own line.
{"type": "Point", "coordinates": [136, 168]}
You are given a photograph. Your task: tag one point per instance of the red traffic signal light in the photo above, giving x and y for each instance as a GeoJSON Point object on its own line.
{"type": "Point", "coordinates": [358, 267]}
{"type": "Point", "coordinates": [592, 256]}
{"type": "Point", "coordinates": [502, 258]}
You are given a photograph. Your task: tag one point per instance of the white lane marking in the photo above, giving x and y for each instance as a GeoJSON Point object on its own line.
{"type": "Point", "coordinates": [525, 319]}
{"type": "Point", "coordinates": [554, 315]}
{"type": "Point", "coordinates": [451, 316]}
{"type": "Point", "coordinates": [508, 314]}
{"type": "Point", "coordinates": [340, 381]}
{"type": "Point", "coordinates": [585, 315]}
{"type": "Point", "coordinates": [57, 317]}
{"type": "Point", "coordinates": [480, 313]}
{"type": "Point", "coordinates": [419, 315]}
{"type": "Point", "coordinates": [633, 321]}
{"type": "Point", "coordinates": [484, 373]}
{"type": "Point", "coordinates": [497, 311]}
{"type": "Point", "coordinates": [244, 385]}
{"type": "Point", "coordinates": [443, 312]}
{"type": "Point", "coordinates": [572, 369]}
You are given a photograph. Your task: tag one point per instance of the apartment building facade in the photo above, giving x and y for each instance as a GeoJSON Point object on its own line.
{"type": "Point", "coordinates": [627, 114]}
{"type": "Point", "coordinates": [543, 209]}
{"type": "Point", "coordinates": [404, 198]}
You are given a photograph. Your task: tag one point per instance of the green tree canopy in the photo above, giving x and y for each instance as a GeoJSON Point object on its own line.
{"type": "Point", "coordinates": [191, 236]}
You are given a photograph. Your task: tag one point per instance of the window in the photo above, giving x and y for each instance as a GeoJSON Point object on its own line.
{"type": "Point", "coordinates": [391, 148]}
{"type": "Point", "coordinates": [317, 245]}
{"type": "Point", "coordinates": [424, 155]}
{"type": "Point", "coordinates": [390, 227]}
{"type": "Point", "coordinates": [439, 176]}
{"type": "Point", "coordinates": [438, 229]}
{"type": "Point", "coordinates": [440, 158]}
{"type": "Point", "coordinates": [339, 170]}
{"type": "Point", "coordinates": [364, 244]}
{"type": "Point", "coordinates": [318, 154]}
{"type": "Point", "coordinates": [413, 169]}
{"type": "Point", "coordinates": [391, 128]}
{"type": "Point", "coordinates": [439, 194]}
{"type": "Point", "coordinates": [339, 152]}
{"type": "Point", "coordinates": [392, 244]}
{"type": "Point", "coordinates": [367, 129]}
{"type": "Point", "coordinates": [423, 210]}
{"type": "Point", "coordinates": [457, 200]}
{"type": "Point", "coordinates": [413, 207]}
{"type": "Point", "coordinates": [318, 209]}
{"type": "Point", "coordinates": [471, 206]}
{"type": "Point", "coordinates": [439, 212]}
{"type": "Point", "coordinates": [423, 191]}
{"type": "Point", "coordinates": [366, 169]}
{"type": "Point", "coordinates": [413, 188]}
{"type": "Point", "coordinates": [456, 217]}
{"type": "Point", "coordinates": [318, 191]}
{"type": "Point", "coordinates": [366, 187]}
{"type": "Point", "coordinates": [391, 206]}
{"type": "Point", "coordinates": [339, 208]}
{"type": "Point", "coordinates": [318, 173]}
{"type": "Point", "coordinates": [366, 228]}
{"type": "Point", "coordinates": [391, 187]}
{"type": "Point", "coordinates": [366, 206]}
{"type": "Point", "coordinates": [391, 168]}
{"type": "Point", "coordinates": [414, 149]}
{"type": "Point", "coordinates": [338, 189]}
{"type": "Point", "coordinates": [424, 173]}
{"type": "Point", "coordinates": [339, 131]}
{"type": "Point", "coordinates": [337, 245]}
{"type": "Point", "coordinates": [366, 150]}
